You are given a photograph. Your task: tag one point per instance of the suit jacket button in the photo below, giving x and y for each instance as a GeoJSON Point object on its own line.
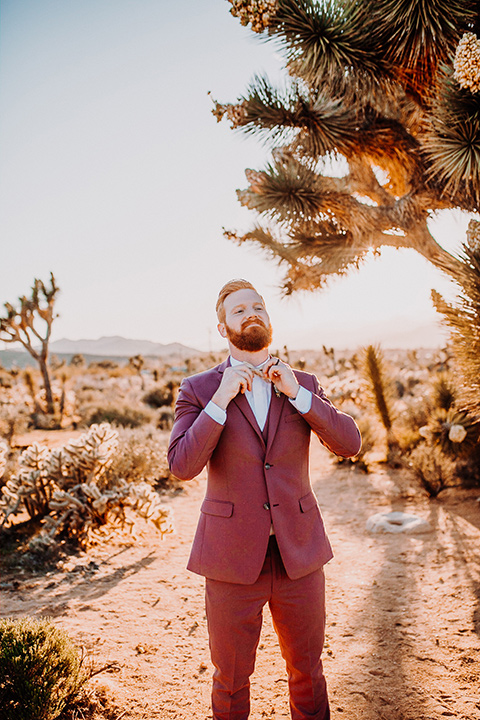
{"type": "Point", "coordinates": [267, 466]}
{"type": "Point", "coordinates": [266, 506]}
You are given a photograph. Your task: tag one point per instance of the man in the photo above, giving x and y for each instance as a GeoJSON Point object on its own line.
{"type": "Point", "coordinates": [260, 537]}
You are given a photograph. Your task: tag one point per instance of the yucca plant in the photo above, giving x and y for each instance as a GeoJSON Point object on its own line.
{"type": "Point", "coordinates": [41, 670]}
{"type": "Point", "coordinates": [391, 89]}
{"type": "Point", "coordinates": [380, 394]}
{"type": "Point", "coordinates": [455, 432]}
{"type": "Point", "coordinates": [443, 391]}
{"type": "Point", "coordinates": [463, 319]}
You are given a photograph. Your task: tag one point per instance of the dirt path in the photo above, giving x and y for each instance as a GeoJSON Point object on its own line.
{"type": "Point", "coordinates": [403, 639]}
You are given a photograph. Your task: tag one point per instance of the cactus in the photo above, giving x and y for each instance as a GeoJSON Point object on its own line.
{"type": "Point", "coordinates": [67, 487]}
{"type": "Point", "coordinates": [3, 457]}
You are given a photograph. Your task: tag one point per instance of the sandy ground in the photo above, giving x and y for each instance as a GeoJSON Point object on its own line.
{"type": "Point", "coordinates": [403, 635]}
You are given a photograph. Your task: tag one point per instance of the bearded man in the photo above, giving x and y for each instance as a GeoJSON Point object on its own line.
{"type": "Point", "coordinates": [260, 537]}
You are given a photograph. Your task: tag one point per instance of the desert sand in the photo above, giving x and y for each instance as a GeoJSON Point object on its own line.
{"type": "Point", "coordinates": [403, 626]}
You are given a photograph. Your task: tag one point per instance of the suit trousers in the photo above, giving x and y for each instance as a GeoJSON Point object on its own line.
{"type": "Point", "coordinates": [234, 617]}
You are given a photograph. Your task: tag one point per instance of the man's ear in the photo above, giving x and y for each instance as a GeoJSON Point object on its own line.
{"type": "Point", "coordinates": [222, 329]}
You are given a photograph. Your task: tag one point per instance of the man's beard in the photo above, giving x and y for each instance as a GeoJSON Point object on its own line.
{"type": "Point", "coordinates": [252, 338]}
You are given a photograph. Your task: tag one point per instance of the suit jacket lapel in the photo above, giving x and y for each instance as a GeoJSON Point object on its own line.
{"type": "Point", "coordinates": [243, 405]}
{"type": "Point", "coordinates": [274, 414]}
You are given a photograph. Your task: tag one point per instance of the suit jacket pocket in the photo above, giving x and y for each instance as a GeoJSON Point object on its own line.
{"type": "Point", "coordinates": [293, 416]}
{"type": "Point", "coordinates": [307, 502]}
{"type": "Point", "coordinates": [220, 508]}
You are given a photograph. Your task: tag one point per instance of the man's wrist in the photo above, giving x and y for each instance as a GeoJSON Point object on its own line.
{"type": "Point", "coordinates": [295, 395]}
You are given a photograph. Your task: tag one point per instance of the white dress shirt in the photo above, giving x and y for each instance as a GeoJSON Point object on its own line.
{"type": "Point", "coordinates": [259, 399]}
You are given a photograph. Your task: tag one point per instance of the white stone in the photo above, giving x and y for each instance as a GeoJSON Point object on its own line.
{"type": "Point", "coordinates": [397, 522]}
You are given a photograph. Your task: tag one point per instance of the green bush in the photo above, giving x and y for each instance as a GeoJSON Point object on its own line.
{"type": "Point", "coordinates": [40, 670]}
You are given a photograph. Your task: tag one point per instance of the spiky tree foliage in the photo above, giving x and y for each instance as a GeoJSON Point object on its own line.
{"type": "Point", "coordinates": [376, 377]}
{"type": "Point", "coordinates": [463, 318]}
{"type": "Point", "coordinates": [31, 326]}
{"type": "Point", "coordinates": [372, 83]}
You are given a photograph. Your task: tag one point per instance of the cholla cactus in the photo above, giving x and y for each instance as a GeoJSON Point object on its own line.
{"type": "Point", "coordinates": [30, 487]}
{"type": "Point", "coordinates": [3, 457]}
{"type": "Point", "coordinates": [93, 452]}
{"type": "Point", "coordinates": [67, 486]}
{"type": "Point", "coordinates": [467, 62]}
{"type": "Point", "coordinates": [259, 13]}
{"type": "Point", "coordinates": [148, 505]}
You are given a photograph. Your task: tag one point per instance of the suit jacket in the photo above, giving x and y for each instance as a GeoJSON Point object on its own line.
{"type": "Point", "coordinates": [253, 483]}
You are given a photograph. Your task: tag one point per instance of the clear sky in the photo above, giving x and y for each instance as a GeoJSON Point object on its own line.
{"type": "Point", "coordinates": [115, 175]}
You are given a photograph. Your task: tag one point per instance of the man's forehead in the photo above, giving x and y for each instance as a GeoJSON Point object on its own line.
{"type": "Point", "coordinates": [243, 296]}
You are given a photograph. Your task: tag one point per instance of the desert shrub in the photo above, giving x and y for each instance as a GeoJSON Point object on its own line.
{"type": "Point", "coordinates": [41, 670]}
{"type": "Point", "coordinates": [165, 419]}
{"type": "Point", "coordinates": [69, 488]}
{"type": "Point", "coordinates": [160, 396]}
{"type": "Point", "coordinates": [432, 468]}
{"type": "Point", "coordinates": [103, 365]}
{"type": "Point", "coordinates": [141, 456]}
{"type": "Point", "coordinates": [124, 416]}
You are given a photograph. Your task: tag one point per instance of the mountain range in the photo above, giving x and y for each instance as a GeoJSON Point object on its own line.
{"type": "Point", "coordinates": [117, 346]}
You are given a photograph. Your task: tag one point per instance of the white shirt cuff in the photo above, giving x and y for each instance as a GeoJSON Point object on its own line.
{"type": "Point", "coordinates": [216, 413]}
{"type": "Point", "coordinates": [303, 401]}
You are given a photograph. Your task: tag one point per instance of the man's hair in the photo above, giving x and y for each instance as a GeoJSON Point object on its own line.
{"type": "Point", "coordinates": [230, 287]}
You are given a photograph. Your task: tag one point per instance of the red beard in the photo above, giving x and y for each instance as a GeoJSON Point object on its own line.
{"type": "Point", "coordinates": [252, 338]}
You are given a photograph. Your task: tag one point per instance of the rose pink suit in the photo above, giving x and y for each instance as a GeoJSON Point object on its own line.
{"type": "Point", "coordinates": [256, 480]}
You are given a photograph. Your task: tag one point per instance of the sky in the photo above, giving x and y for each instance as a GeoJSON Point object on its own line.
{"type": "Point", "coordinates": [115, 175]}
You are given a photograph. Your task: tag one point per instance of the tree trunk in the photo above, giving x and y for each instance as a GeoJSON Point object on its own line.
{"type": "Point", "coordinates": [47, 385]}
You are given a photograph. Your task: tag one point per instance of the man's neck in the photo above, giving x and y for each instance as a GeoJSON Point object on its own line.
{"type": "Point", "coordinates": [254, 358]}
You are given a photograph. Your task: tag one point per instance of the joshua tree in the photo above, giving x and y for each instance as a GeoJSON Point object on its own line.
{"type": "Point", "coordinates": [463, 318]}
{"type": "Point", "coordinates": [21, 325]}
{"type": "Point", "coordinates": [136, 363]}
{"type": "Point", "coordinates": [390, 88]}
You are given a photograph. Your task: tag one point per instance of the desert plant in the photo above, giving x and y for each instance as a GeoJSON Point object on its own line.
{"type": "Point", "coordinates": [68, 488]}
{"type": "Point", "coordinates": [455, 432]}
{"type": "Point", "coordinates": [375, 85]}
{"type": "Point", "coordinates": [166, 418]}
{"type": "Point", "coordinates": [4, 450]}
{"type": "Point", "coordinates": [140, 456]}
{"type": "Point", "coordinates": [41, 670]}
{"type": "Point", "coordinates": [463, 319]}
{"type": "Point", "coordinates": [380, 390]}
{"type": "Point", "coordinates": [161, 396]}
{"type": "Point", "coordinates": [443, 392]}
{"type": "Point", "coordinates": [121, 415]}
{"type": "Point", "coordinates": [77, 360]}
{"type": "Point", "coordinates": [21, 325]}
{"type": "Point", "coordinates": [434, 470]}
{"type": "Point", "coordinates": [136, 363]}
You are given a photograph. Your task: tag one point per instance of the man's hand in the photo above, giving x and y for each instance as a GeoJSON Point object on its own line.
{"type": "Point", "coordinates": [281, 375]}
{"type": "Point", "coordinates": [235, 379]}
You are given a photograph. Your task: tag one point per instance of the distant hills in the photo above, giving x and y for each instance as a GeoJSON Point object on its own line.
{"type": "Point", "coordinates": [105, 348]}
{"type": "Point", "coordinates": [117, 346]}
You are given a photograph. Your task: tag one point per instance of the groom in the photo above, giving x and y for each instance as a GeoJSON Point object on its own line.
{"type": "Point", "coordinates": [260, 537]}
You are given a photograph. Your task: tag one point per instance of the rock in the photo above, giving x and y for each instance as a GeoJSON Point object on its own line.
{"type": "Point", "coordinates": [397, 522]}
